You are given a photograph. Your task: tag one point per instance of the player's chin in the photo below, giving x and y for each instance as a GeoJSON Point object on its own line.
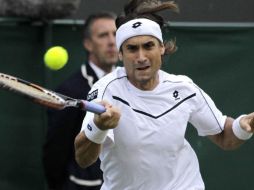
{"type": "Point", "coordinates": [143, 75]}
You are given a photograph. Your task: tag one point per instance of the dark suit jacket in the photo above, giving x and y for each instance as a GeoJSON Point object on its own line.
{"type": "Point", "coordinates": [63, 126]}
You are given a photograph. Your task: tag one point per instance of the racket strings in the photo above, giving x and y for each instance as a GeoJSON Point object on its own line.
{"type": "Point", "coordinates": [39, 94]}
{"type": "Point", "coordinates": [46, 97]}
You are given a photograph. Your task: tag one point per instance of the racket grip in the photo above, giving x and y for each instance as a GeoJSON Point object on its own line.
{"type": "Point", "coordinates": [93, 107]}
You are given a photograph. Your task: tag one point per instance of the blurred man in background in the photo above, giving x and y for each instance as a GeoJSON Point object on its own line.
{"type": "Point", "coordinates": [61, 170]}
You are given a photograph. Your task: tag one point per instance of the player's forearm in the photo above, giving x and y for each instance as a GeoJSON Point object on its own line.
{"type": "Point", "coordinates": [86, 151]}
{"type": "Point", "coordinates": [226, 139]}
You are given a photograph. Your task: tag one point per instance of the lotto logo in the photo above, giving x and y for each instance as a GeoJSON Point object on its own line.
{"type": "Point", "coordinates": [176, 95]}
{"type": "Point", "coordinates": [89, 127]}
{"type": "Point", "coordinates": [136, 24]}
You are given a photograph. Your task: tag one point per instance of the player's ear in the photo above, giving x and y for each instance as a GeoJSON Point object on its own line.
{"type": "Point", "coordinates": [120, 55]}
{"type": "Point", "coordinates": [87, 44]}
{"type": "Point", "coordinates": [162, 49]}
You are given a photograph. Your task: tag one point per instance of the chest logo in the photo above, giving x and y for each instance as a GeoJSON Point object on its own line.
{"type": "Point", "coordinates": [176, 95]}
{"type": "Point", "coordinates": [92, 95]}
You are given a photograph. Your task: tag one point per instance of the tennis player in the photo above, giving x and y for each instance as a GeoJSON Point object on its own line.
{"type": "Point", "coordinates": [140, 138]}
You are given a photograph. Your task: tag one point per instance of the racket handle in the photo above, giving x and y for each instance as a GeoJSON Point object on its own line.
{"type": "Point", "coordinates": [93, 107]}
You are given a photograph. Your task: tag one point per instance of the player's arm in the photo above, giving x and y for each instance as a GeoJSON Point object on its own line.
{"type": "Point", "coordinates": [88, 141]}
{"type": "Point", "coordinates": [231, 138]}
{"type": "Point", "coordinates": [86, 151]}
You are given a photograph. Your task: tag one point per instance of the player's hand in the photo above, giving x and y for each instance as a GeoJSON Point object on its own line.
{"type": "Point", "coordinates": [247, 123]}
{"type": "Point", "coordinates": [108, 119]}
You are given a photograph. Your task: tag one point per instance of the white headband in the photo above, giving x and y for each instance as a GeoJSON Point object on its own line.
{"type": "Point", "coordinates": [137, 27]}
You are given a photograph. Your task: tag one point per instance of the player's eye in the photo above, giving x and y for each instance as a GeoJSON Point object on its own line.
{"type": "Point", "coordinates": [149, 45]}
{"type": "Point", "coordinates": [132, 48]}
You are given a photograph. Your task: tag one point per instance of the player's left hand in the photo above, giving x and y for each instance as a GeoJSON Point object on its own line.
{"type": "Point", "coordinates": [247, 123]}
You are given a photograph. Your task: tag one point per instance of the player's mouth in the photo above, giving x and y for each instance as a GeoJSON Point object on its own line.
{"type": "Point", "coordinates": [143, 66]}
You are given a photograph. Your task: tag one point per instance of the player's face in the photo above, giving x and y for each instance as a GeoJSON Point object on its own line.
{"type": "Point", "coordinates": [102, 45]}
{"type": "Point", "coordinates": [141, 56]}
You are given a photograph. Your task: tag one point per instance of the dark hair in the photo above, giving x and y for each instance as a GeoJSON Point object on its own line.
{"type": "Point", "coordinates": [148, 9]}
{"type": "Point", "coordinates": [92, 18]}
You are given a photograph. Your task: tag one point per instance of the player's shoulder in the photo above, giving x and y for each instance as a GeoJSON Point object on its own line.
{"type": "Point", "coordinates": [111, 82]}
{"type": "Point", "coordinates": [117, 75]}
{"type": "Point", "coordinates": [172, 78]}
{"type": "Point", "coordinates": [181, 83]}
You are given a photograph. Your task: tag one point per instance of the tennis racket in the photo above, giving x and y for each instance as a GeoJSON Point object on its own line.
{"type": "Point", "coordinates": [46, 97]}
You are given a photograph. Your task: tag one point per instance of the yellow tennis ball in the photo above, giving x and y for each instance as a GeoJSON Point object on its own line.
{"type": "Point", "coordinates": [56, 57]}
